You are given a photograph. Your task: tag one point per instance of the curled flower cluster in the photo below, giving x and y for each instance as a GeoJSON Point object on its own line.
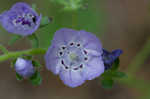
{"type": "Point", "coordinates": [76, 56]}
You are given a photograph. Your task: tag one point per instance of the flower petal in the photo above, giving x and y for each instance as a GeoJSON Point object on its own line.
{"type": "Point", "coordinates": [64, 36]}
{"type": "Point", "coordinates": [53, 63]}
{"type": "Point", "coordinates": [90, 42]}
{"type": "Point", "coordinates": [94, 68]}
{"type": "Point", "coordinates": [71, 78]}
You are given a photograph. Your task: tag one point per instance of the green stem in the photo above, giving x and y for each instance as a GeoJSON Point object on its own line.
{"type": "Point", "coordinates": [34, 41]}
{"type": "Point", "coordinates": [138, 83]}
{"type": "Point", "coordinates": [140, 58]}
{"type": "Point", "coordinates": [3, 49]}
{"type": "Point", "coordinates": [33, 51]}
{"type": "Point", "coordinates": [132, 80]}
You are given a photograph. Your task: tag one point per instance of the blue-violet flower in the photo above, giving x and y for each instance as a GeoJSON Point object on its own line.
{"type": "Point", "coordinates": [110, 57]}
{"type": "Point", "coordinates": [24, 67]}
{"type": "Point", "coordinates": [21, 19]}
{"type": "Point", "coordinates": [76, 56]}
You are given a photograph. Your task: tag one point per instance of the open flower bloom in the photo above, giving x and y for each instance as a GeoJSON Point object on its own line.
{"type": "Point", "coordinates": [110, 57]}
{"type": "Point", "coordinates": [24, 67]}
{"type": "Point", "coordinates": [75, 56]}
{"type": "Point", "coordinates": [21, 19]}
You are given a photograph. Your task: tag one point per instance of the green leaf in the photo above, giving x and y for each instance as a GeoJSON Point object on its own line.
{"type": "Point", "coordinates": [119, 74]}
{"type": "Point", "coordinates": [36, 63]}
{"type": "Point", "coordinates": [107, 74]}
{"type": "Point", "coordinates": [107, 83]}
{"type": "Point", "coordinates": [45, 21]}
{"type": "Point", "coordinates": [14, 39]}
{"type": "Point", "coordinates": [36, 79]}
{"type": "Point", "coordinates": [18, 77]}
{"type": "Point", "coordinates": [115, 65]}
{"type": "Point", "coordinates": [34, 40]}
{"type": "Point", "coordinates": [69, 4]}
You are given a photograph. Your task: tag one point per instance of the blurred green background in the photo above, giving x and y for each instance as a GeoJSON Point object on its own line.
{"type": "Point", "coordinates": [121, 24]}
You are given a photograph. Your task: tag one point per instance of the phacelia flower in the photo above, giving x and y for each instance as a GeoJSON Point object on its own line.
{"type": "Point", "coordinates": [24, 67]}
{"type": "Point", "coordinates": [21, 19]}
{"type": "Point", "coordinates": [110, 57]}
{"type": "Point", "coordinates": [76, 56]}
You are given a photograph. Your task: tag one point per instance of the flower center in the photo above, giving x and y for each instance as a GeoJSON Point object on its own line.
{"type": "Point", "coordinates": [26, 20]}
{"type": "Point", "coordinates": [73, 56]}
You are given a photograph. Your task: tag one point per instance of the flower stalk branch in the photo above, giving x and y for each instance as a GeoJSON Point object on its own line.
{"type": "Point", "coordinates": [16, 54]}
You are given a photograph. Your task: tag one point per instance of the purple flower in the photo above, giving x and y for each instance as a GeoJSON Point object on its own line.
{"type": "Point", "coordinates": [76, 56]}
{"type": "Point", "coordinates": [21, 19]}
{"type": "Point", "coordinates": [110, 57]}
{"type": "Point", "coordinates": [24, 67]}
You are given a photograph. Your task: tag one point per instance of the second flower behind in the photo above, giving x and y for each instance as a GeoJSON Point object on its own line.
{"type": "Point", "coordinates": [21, 19]}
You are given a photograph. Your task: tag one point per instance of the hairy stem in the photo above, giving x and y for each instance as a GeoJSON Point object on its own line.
{"type": "Point", "coordinates": [10, 55]}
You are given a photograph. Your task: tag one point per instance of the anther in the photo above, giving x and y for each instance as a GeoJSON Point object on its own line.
{"type": "Point", "coordinates": [71, 44]}
{"type": "Point", "coordinates": [81, 66]}
{"type": "Point", "coordinates": [78, 45]}
{"type": "Point", "coordinates": [63, 47]}
{"type": "Point", "coordinates": [85, 58]}
{"type": "Point", "coordinates": [85, 52]}
{"type": "Point", "coordinates": [60, 53]}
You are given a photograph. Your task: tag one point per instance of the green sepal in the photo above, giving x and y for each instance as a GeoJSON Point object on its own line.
{"type": "Point", "coordinates": [115, 65]}
{"type": "Point", "coordinates": [118, 74]}
{"type": "Point", "coordinates": [36, 64]}
{"type": "Point", "coordinates": [18, 77]}
{"type": "Point", "coordinates": [34, 40]}
{"type": "Point", "coordinates": [107, 83]}
{"type": "Point", "coordinates": [36, 79]}
{"type": "Point", "coordinates": [13, 62]}
{"type": "Point", "coordinates": [13, 39]}
{"type": "Point", "coordinates": [109, 75]}
{"type": "Point", "coordinates": [45, 21]}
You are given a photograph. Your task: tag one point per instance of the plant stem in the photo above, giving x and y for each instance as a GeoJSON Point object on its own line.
{"type": "Point", "coordinates": [140, 58]}
{"type": "Point", "coordinates": [34, 41]}
{"type": "Point", "coordinates": [33, 51]}
{"type": "Point", "coordinates": [132, 80]}
{"type": "Point", "coordinates": [140, 84]}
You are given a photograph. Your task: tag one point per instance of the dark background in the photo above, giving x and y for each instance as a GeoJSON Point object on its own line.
{"type": "Point", "coordinates": [121, 24]}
